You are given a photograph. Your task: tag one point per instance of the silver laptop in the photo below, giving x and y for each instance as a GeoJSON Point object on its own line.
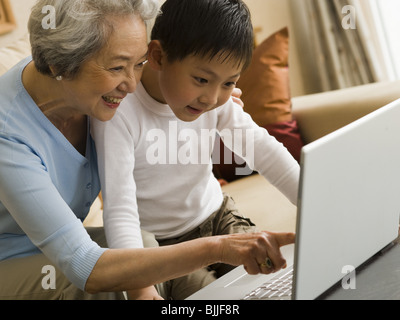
{"type": "Point", "coordinates": [348, 210]}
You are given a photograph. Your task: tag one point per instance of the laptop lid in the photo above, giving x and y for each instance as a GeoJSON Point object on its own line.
{"type": "Point", "coordinates": [348, 210]}
{"type": "Point", "coordinates": [349, 200]}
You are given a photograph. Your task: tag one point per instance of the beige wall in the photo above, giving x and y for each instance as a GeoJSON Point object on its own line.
{"type": "Point", "coordinates": [270, 15]}
{"type": "Point", "coordinates": [21, 10]}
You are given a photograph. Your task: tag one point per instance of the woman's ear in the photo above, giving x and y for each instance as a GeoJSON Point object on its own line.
{"type": "Point", "coordinates": [156, 55]}
{"type": "Point", "coordinates": [53, 71]}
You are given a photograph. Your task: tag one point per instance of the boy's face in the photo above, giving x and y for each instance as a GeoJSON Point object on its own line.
{"type": "Point", "coordinates": [197, 85]}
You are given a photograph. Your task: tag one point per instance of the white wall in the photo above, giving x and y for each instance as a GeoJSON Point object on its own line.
{"type": "Point", "coordinates": [270, 15]}
{"type": "Point", "coordinates": [389, 10]}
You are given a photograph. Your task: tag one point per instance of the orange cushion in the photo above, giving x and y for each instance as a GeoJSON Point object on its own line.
{"type": "Point", "coordinates": [265, 84]}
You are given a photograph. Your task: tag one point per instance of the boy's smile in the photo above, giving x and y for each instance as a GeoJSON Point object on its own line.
{"type": "Point", "coordinates": [194, 111]}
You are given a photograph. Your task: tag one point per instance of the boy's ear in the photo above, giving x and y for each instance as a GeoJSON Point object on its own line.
{"type": "Point", "coordinates": [156, 55]}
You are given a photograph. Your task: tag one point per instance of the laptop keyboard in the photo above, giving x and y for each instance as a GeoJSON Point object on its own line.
{"type": "Point", "coordinates": [277, 288]}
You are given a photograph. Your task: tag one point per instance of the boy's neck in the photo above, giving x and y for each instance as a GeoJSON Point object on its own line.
{"type": "Point", "coordinates": [151, 84]}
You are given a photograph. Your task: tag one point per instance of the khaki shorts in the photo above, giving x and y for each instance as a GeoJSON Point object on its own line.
{"type": "Point", "coordinates": [227, 220]}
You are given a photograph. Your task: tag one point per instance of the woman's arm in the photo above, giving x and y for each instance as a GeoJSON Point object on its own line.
{"type": "Point", "coordinates": [129, 269]}
{"type": "Point", "coordinates": [32, 202]}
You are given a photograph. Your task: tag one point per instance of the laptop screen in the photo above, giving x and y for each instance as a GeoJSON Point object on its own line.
{"type": "Point", "coordinates": [349, 200]}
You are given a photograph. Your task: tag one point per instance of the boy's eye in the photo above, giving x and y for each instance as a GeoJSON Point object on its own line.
{"type": "Point", "coordinates": [201, 80]}
{"type": "Point", "coordinates": [230, 84]}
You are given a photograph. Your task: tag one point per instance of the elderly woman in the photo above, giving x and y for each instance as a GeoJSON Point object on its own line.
{"type": "Point", "coordinates": [48, 165]}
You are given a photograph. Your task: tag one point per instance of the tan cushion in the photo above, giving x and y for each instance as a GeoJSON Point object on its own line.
{"type": "Point", "coordinates": [321, 113]}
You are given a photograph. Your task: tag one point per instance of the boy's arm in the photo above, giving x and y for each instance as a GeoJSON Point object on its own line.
{"type": "Point", "coordinates": [116, 161]}
{"type": "Point", "coordinates": [149, 293]}
{"type": "Point", "coordinates": [259, 149]}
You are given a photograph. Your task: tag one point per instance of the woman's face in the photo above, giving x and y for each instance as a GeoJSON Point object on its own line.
{"type": "Point", "coordinates": [106, 78]}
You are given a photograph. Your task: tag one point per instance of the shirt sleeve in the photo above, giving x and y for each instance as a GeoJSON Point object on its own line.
{"type": "Point", "coordinates": [261, 151]}
{"type": "Point", "coordinates": [116, 159]}
{"type": "Point", "coordinates": [29, 195]}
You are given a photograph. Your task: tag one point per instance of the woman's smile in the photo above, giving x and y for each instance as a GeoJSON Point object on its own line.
{"type": "Point", "coordinates": [112, 102]}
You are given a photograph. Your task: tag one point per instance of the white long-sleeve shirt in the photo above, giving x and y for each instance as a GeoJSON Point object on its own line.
{"type": "Point", "coordinates": [156, 170]}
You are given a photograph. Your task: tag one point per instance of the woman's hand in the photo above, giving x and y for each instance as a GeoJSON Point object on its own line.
{"type": "Point", "coordinates": [253, 249]}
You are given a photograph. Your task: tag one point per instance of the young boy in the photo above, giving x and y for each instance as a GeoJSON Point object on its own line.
{"type": "Point", "coordinates": [155, 155]}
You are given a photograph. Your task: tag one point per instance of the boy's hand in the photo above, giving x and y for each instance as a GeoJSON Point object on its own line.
{"type": "Point", "coordinates": [149, 293]}
{"type": "Point", "coordinates": [236, 94]}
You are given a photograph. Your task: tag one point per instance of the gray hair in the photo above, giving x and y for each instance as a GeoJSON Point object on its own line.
{"type": "Point", "coordinates": [81, 30]}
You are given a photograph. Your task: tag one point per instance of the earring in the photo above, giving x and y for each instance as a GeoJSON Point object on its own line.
{"type": "Point", "coordinates": [59, 78]}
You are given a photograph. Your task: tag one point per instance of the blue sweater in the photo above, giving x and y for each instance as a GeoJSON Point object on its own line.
{"type": "Point", "coordinates": [46, 186]}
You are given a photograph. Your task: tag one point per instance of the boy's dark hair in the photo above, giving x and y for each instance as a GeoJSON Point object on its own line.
{"type": "Point", "coordinates": [207, 28]}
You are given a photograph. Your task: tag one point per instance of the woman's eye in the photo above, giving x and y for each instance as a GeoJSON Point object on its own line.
{"type": "Point", "coordinates": [116, 69]}
{"type": "Point", "coordinates": [141, 65]}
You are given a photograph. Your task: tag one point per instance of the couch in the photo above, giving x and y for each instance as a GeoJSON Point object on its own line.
{"type": "Point", "coordinates": [316, 116]}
